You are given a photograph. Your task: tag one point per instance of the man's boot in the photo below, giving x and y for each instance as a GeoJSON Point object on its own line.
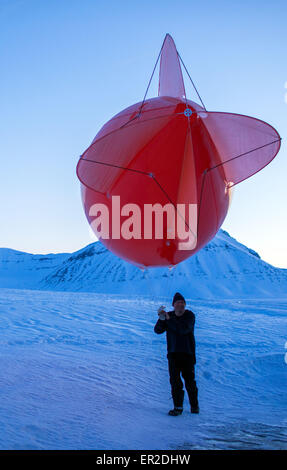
{"type": "Point", "coordinates": [176, 411]}
{"type": "Point", "coordinates": [194, 409]}
{"type": "Point", "coordinates": [178, 404]}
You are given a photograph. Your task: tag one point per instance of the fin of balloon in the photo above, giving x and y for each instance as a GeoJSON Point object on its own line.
{"type": "Point", "coordinates": [245, 144]}
{"type": "Point", "coordinates": [170, 75]}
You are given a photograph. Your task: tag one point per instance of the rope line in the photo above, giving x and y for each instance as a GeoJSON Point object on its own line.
{"type": "Point", "coordinates": [245, 153]}
{"type": "Point", "coordinates": [144, 98]}
{"type": "Point", "coordinates": [151, 76]}
{"type": "Point", "coordinates": [191, 81]}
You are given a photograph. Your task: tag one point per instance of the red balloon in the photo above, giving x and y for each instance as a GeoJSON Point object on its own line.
{"type": "Point", "coordinates": [169, 151]}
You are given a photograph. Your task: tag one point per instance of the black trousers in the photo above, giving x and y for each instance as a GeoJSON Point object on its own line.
{"type": "Point", "coordinates": [182, 363]}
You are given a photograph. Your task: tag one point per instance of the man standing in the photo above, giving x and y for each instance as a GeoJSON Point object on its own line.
{"type": "Point", "coordinates": [179, 327]}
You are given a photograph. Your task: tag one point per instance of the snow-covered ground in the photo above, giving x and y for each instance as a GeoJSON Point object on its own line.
{"type": "Point", "coordinates": [87, 371]}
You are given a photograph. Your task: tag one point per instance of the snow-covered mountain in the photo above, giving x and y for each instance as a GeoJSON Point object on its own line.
{"type": "Point", "coordinates": [224, 268]}
{"type": "Point", "coordinates": [24, 270]}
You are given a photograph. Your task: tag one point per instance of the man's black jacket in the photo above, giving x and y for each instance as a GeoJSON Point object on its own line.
{"type": "Point", "coordinates": [179, 332]}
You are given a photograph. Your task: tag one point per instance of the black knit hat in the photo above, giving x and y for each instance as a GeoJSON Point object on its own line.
{"type": "Point", "coordinates": [176, 297]}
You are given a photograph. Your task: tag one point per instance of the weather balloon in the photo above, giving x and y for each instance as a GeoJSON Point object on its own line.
{"type": "Point", "coordinates": [156, 179]}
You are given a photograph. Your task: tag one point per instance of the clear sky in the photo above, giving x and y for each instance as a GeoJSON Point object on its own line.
{"type": "Point", "coordinates": [68, 66]}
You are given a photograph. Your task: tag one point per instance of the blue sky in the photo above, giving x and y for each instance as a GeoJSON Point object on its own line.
{"type": "Point", "coordinates": [68, 66]}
